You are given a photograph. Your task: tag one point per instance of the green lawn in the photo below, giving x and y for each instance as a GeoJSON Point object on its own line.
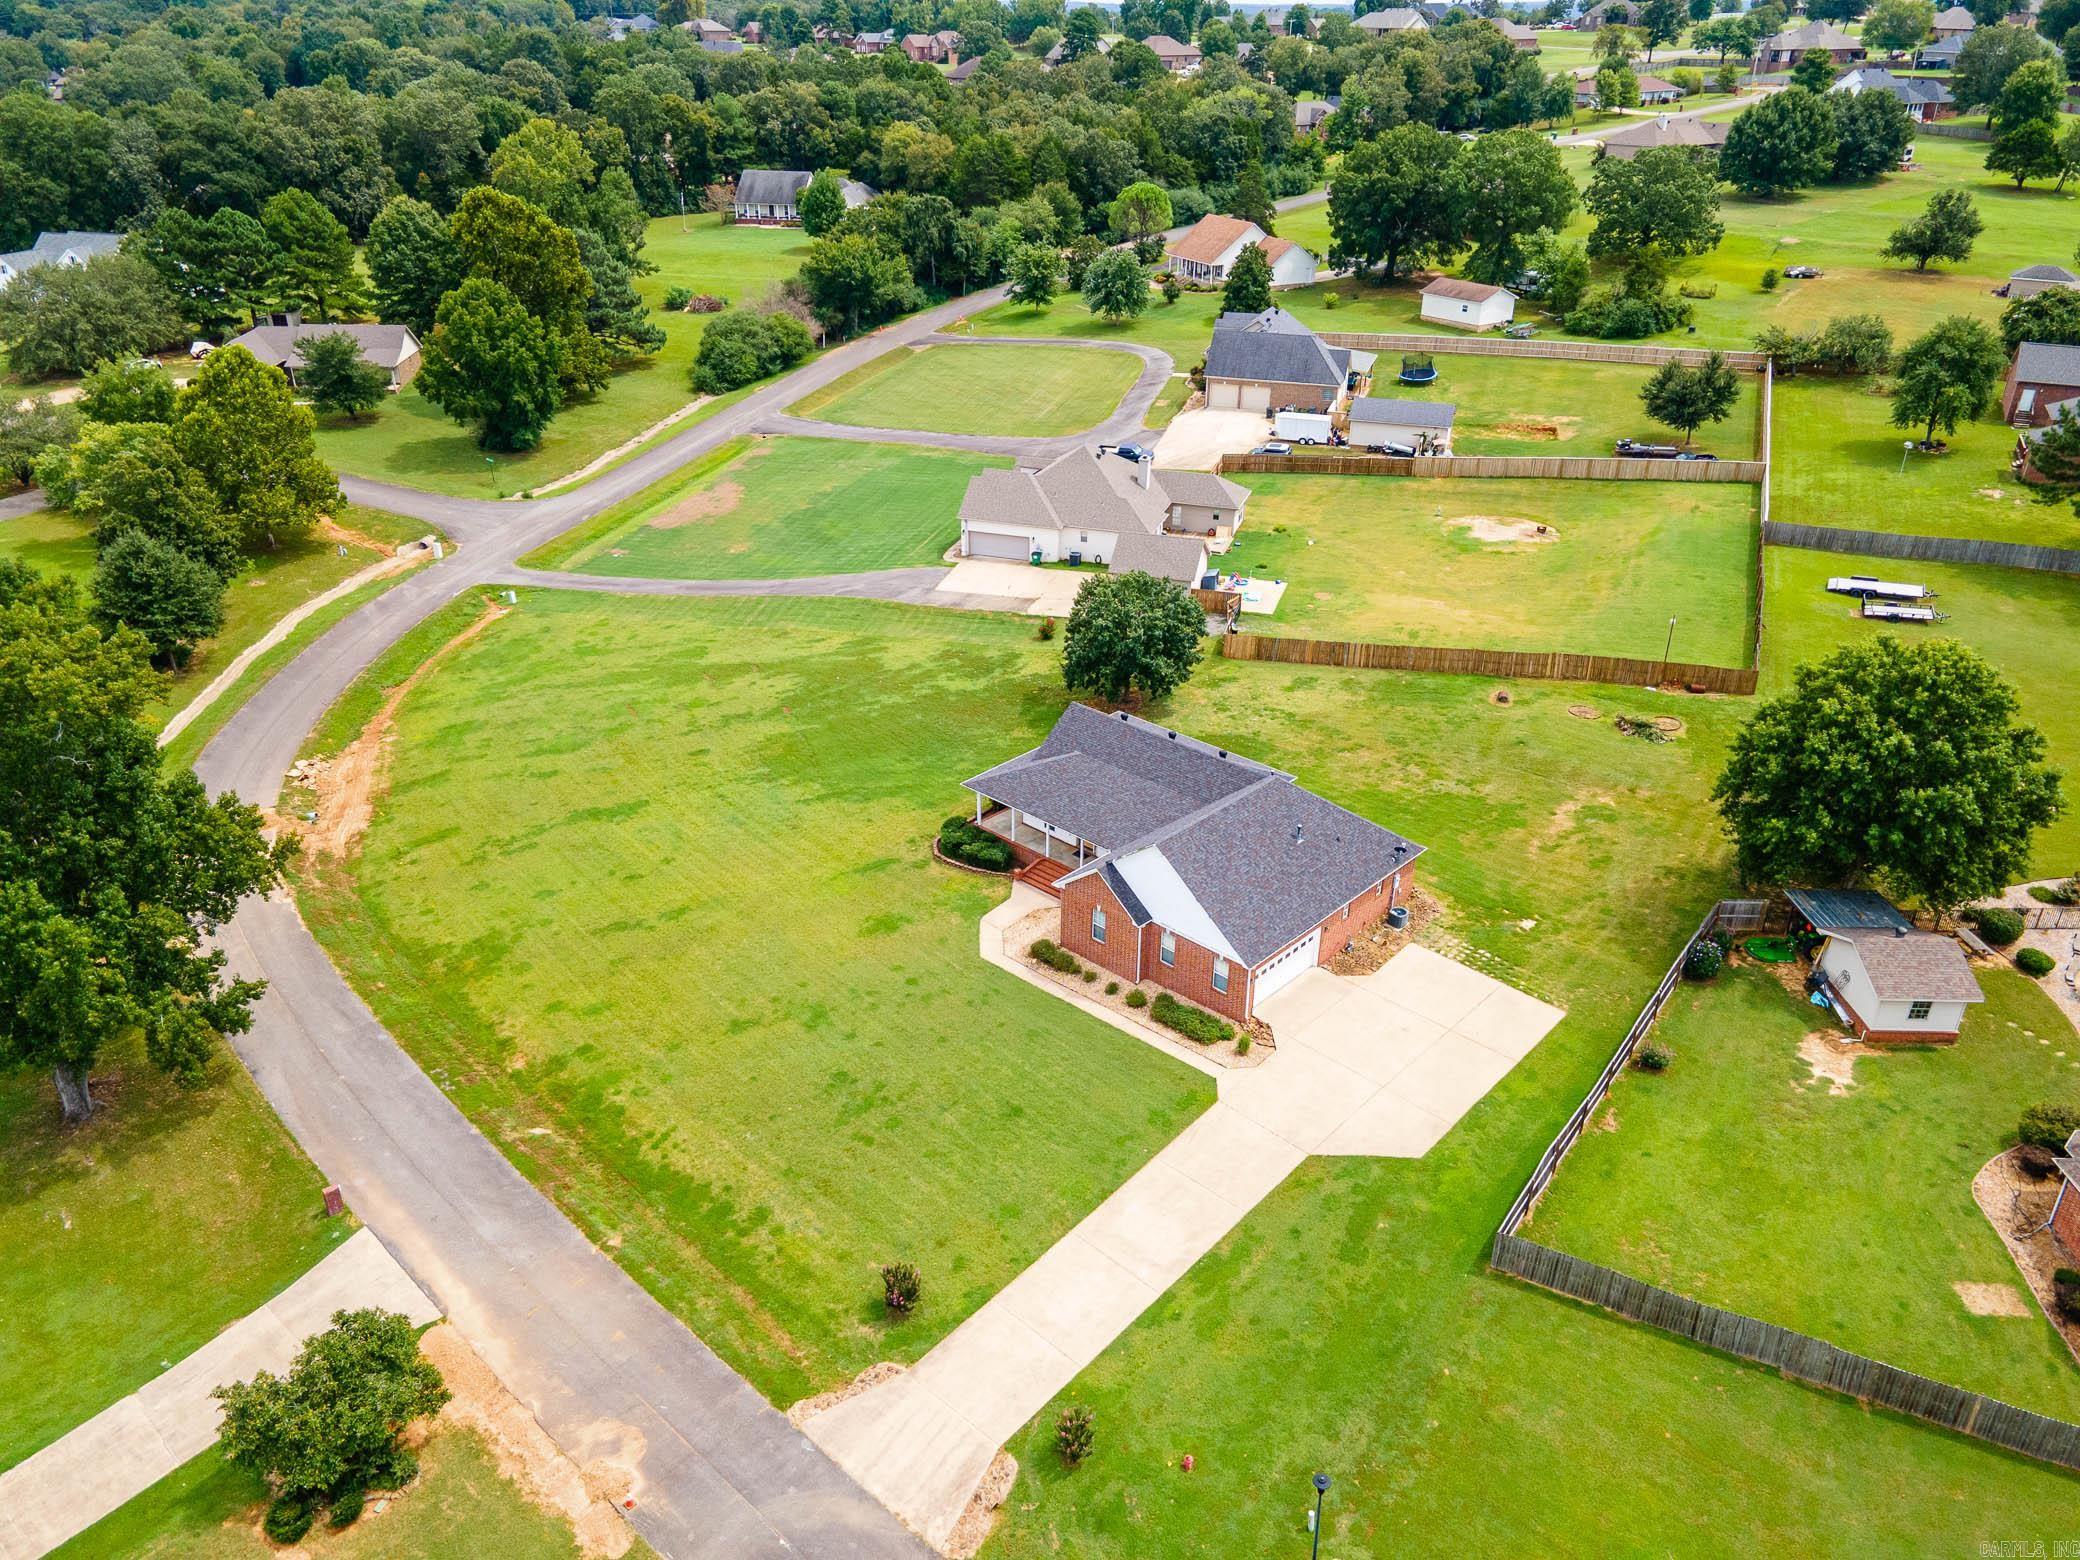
{"type": "Point", "coordinates": [774, 508]}
{"type": "Point", "coordinates": [132, 1240]}
{"type": "Point", "coordinates": [727, 1010]}
{"type": "Point", "coordinates": [1023, 391]}
{"type": "Point", "coordinates": [1741, 1178]}
{"type": "Point", "coordinates": [1532, 406]}
{"type": "Point", "coordinates": [459, 1505]}
{"type": "Point", "coordinates": [2024, 622]}
{"type": "Point", "coordinates": [50, 542]}
{"type": "Point", "coordinates": [411, 441]}
{"type": "Point", "coordinates": [1180, 329]}
{"type": "Point", "coordinates": [1417, 562]}
{"type": "Point", "coordinates": [1838, 461]}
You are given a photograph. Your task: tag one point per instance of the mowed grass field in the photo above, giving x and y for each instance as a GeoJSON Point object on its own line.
{"type": "Point", "coordinates": [2025, 622]}
{"type": "Point", "coordinates": [1838, 461]}
{"type": "Point", "coordinates": [459, 1505]}
{"type": "Point", "coordinates": [725, 1008]}
{"type": "Point", "coordinates": [1460, 562]}
{"type": "Point", "coordinates": [133, 1240]}
{"type": "Point", "coordinates": [411, 441]}
{"type": "Point", "coordinates": [774, 508]}
{"type": "Point", "coordinates": [1014, 391]}
{"type": "Point", "coordinates": [1535, 406]}
{"type": "Point", "coordinates": [1871, 1219]}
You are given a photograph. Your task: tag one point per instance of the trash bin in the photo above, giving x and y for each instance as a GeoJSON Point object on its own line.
{"type": "Point", "coordinates": [1075, 558]}
{"type": "Point", "coordinates": [1037, 559]}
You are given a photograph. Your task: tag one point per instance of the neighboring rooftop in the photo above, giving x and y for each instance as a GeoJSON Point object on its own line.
{"type": "Point", "coordinates": [1848, 910]}
{"type": "Point", "coordinates": [1273, 347]}
{"type": "Point", "coordinates": [1093, 491]}
{"type": "Point", "coordinates": [386, 346]}
{"type": "Point", "coordinates": [2045, 273]}
{"type": "Point", "coordinates": [1406, 414]}
{"type": "Point", "coordinates": [1916, 967]}
{"type": "Point", "coordinates": [1206, 240]}
{"type": "Point", "coordinates": [2047, 363]}
{"type": "Point", "coordinates": [1393, 19]}
{"type": "Point", "coordinates": [1702, 135]}
{"type": "Point", "coordinates": [1458, 287]}
{"type": "Point", "coordinates": [1811, 35]}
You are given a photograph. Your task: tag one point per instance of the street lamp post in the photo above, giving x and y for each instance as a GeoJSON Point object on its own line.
{"type": "Point", "coordinates": [1321, 1488]}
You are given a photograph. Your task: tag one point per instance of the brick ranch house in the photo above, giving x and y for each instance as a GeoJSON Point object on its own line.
{"type": "Point", "coordinates": [2065, 1213]}
{"type": "Point", "coordinates": [1885, 978]}
{"type": "Point", "coordinates": [2042, 374]}
{"type": "Point", "coordinates": [1183, 865]}
{"type": "Point", "coordinates": [1271, 361]}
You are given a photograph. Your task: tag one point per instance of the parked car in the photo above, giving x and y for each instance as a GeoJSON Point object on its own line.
{"type": "Point", "coordinates": [1694, 455]}
{"type": "Point", "coordinates": [1632, 449]}
{"type": "Point", "coordinates": [1134, 452]}
{"type": "Point", "coordinates": [1273, 448]}
{"type": "Point", "coordinates": [1801, 273]}
{"type": "Point", "coordinates": [1521, 331]}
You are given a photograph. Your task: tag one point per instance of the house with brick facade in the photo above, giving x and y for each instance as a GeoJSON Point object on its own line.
{"type": "Point", "coordinates": [2065, 1213]}
{"type": "Point", "coordinates": [1271, 361]}
{"type": "Point", "coordinates": [1182, 865]}
{"type": "Point", "coordinates": [1886, 979]}
{"type": "Point", "coordinates": [2041, 374]}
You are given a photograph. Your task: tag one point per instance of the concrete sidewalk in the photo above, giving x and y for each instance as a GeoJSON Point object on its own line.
{"type": "Point", "coordinates": [125, 1449]}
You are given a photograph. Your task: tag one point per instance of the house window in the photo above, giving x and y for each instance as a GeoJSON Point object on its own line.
{"type": "Point", "coordinates": [1097, 923]}
{"type": "Point", "coordinates": [1220, 974]}
{"type": "Point", "coordinates": [1919, 1009]}
{"type": "Point", "coordinates": [1167, 949]}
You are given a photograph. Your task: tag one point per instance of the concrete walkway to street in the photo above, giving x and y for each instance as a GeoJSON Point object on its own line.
{"type": "Point", "coordinates": [125, 1449]}
{"type": "Point", "coordinates": [1381, 1065]}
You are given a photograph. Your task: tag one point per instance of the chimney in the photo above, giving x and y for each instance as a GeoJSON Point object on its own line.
{"type": "Point", "coordinates": [1143, 465]}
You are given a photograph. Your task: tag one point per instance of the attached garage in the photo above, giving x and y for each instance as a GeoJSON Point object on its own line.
{"type": "Point", "coordinates": [1221, 395]}
{"type": "Point", "coordinates": [996, 544]}
{"type": "Point", "coordinates": [1256, 398]}
{"type": "Point", "coordinates": [1281, 970]}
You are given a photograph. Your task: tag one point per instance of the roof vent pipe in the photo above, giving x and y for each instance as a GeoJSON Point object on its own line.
{"type": "Point", "coordinates": [1297, 835]}
{"type": "Point", "coordinates": [1899, 931]}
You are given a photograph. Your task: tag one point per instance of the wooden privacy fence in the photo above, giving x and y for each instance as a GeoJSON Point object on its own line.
{"type": "Point", "coordinates": [1546, 665]}
{"type": "Point", "coordinates": [1794, 1353]}
{"type": "Point", "coordinates": [1544, 467]}
{"type": "Point", "coordinates": [1955, 132]}
{"type": "Point", "coordinates": [1921, 549]}
{"type": "Point", "coordinates": [1569, 351]}
{"type": "Point", "coordinates": [1218, 603]}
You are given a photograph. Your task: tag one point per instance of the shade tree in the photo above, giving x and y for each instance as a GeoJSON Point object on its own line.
{"type": "Point", "coordinates": [1947, 376]}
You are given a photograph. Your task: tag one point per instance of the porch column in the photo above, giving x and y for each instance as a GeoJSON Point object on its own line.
{"type": "Point", "coordinates": [978, 807]}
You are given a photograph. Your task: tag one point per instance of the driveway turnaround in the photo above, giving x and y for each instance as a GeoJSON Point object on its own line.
{"type": "Point", "coordinates": [1196, 440]}
{"type": "Point", "coordinates": [125, 1449]}
{"type": "Point", "coordinates": [1383, 1065]}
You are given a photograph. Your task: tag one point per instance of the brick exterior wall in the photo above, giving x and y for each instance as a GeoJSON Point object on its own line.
{"type": "Point", "coordinates": [1308, 398]}
{"type": "Point", "coordinates": [2047, 395]}
{"type": "Point", "coordinates": [2065, 1225]}
{"type": "Point", "coordinates": [1362, 912]}
{"type": "Point", "coordinates": [1191, 977]}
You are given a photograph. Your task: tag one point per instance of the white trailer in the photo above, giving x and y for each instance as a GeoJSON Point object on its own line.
{"type": "Point", "coordinates": [1303, 427]}
{"type": "Point", "coordinates": [1869, 585]}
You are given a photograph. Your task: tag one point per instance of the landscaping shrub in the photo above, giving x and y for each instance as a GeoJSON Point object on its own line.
{"type": "Point", "coordinates": [1996, 923]}
{"type": "Point", "coordinates": [1055, 957]}
{"type": "Point", "coordinates": [1089, 975]}
{"type": "Point", "coordinates": [1704, 960]}
{"type": "Point", "coordinates": [1242, 1045]}
{"type": "Point", "coordinates": [677, 298]}
{"type": "Point", "coordinates": [346, 1509]}
{"type": "Point", "coordinates": [1045, 631]}
{"type": "Point", "coordinates": [2065, 893]}
{"type": "Point", "coordinates": [740, 347]}
{"type": "Point", "coordinates": [2065, 1289]}
{"type": "Point", "coordinates": [1653, 1057]}
{"type": "Point", "coordinates": [2049, 1125]}
{"type": "Point", "coordinates": [1193, 1023]}
{"type": "Point", "coordinates": [1112, 988]}
{"type": "Point", "coordinates": [1172, 288]}
{"type": "Point", "coordinates": [288, 1519]}
{"type": "Point", "coordinates": [2035, 962]}
{"type": "Point", "coordinates": [1689, 79]}
{"type": "Point", "coordinates": [2036, 1161]}
{"type": "Point", "coordinates": [1770, 278]}
{"type": "Point", "coordinates": [1330, 300]}
{"type": "Point", "coordinates": [963, 840]}
{"type": "Point", "coordinates": [1073, 1433]}
{"type": "Point", "coordinates": [1137, 998]}
{"type": "Point", "coordinates": [1699, 289]}
{"type": "Point", "coordinates": [901, 1287]}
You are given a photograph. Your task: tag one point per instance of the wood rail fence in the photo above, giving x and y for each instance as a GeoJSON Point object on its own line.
{"type": "Point", "coordinates": [1540, 467]}
{"type": "Point", "coordinates": [1547, 665]}
{"type": "Point", "coordinates": [1569, 351]}
{"type": "Point", "coordinates": [1921, 549]}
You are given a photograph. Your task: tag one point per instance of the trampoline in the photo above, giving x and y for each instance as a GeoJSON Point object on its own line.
{"type": "Point", "coordinates": [1417, 369]}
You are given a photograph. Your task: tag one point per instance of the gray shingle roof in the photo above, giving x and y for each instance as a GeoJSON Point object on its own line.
{"type": "Point", "coordinates": [2043, 273]}
{"type": "Point", "coordinates": [771, 186]}
{"type": "Point", "coordinates": [1273, 347]}
{"type": "Point", "coordinates": [1406, 414]}
{"type": "Point", "coordinates": [387, 346]}
{"type": "Point", "coordinates": [2047, 363]}
{"type": "Point", "coordinates": [1201, 488]}
{"type": "Point", "coordinates": [1267, 859]}
{"type": "Point", "coordinates": [1916, 967]}
{"type": "Point", "coordinates": [1847, 910]}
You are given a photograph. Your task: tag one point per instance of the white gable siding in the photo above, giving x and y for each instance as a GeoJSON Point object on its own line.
{"type": "Point", "coordinates": [1844, 966]}
{"type": "Point", "coordinates": [1156, 883]}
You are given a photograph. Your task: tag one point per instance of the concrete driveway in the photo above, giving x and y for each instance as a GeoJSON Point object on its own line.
{"type": "Point", "coordinates": [1195, 440]}
{"type": "Point", "coordinates": [1020, 586]}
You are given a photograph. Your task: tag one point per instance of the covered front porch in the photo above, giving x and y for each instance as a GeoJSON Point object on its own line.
{"type": "Point", "coordinates": [1045, 854]}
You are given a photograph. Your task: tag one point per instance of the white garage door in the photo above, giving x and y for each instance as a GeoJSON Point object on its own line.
{"type": "Point", "coordinates": [1256, 398]}
{"type": "Point", "coordinates": [1290, 965]}
{"type": "Point", "coordinates": [993, 544]}
{"type": "Point", "coordinates": [1220, 395]}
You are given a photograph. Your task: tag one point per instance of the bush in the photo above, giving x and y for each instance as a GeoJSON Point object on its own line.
{"type": "Point", "coordinates": [1699, 289]}
{"type": "Point", "coordinates": [1073, 1432]}
{"type": "Point", "coordinates": [740, 348]}
{"type": "Point", "coordinates": [1653, 1057]}
{"type": "Point", "coordinates": [1242, 1045]}
{"type": "Point", "coordinates": [1193, 1023]}
{"type": "Point", "coordinates": [1996, 923]}
{"type": "Point", "coordinates": [1112, 988]}
{"type": "Point", "coordinates": [1172, 288]}
{"type": "Point", "coordinates": [1690, 80]}
{"type": "Point", "coordinates": [2065, 893]}
{"type": "Point", "coordinates": [2049, 1125]}
{"type": "Point", "coordinates": [1047, 952]}
{"type": "Point", "coordinates": [2065, 1289]}
{"type": "Point", "coordinates": [1137, 998]}
{"type": "Point", "coordinates": [901, 1287]}
{"type": "Point", "coordinates": [1704, 960]}
{"type": "Point", "coordinates": [1045, 631]}
{"type": "Point", "coordinates": [677, 298]}
{"type": "Point", "coordinates": [346, 1509]}
{"type": "Point", "coordinates": [1330, 300]}
{"type": "Point", "coordinates": [1089, 975]}
{"type": "Point", "coordinates": [2036, 1161]}
{"type": "Point", "coordinates": [1624, 314]}
{"type": "Point", "coordinates": [288, 1519]}
{"type": "Point", "coordinates": [2035, 962]}
{"type": "Point", "coordinates": [1770, 278]}
{"type": "Point", "coordinates": [963, 840]}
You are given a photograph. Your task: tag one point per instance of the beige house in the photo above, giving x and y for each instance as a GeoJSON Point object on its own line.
{"type": "Point", "coordinates": [1094, 506]}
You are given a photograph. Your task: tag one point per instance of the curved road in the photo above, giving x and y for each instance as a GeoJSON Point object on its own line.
{"type": "Point", "coordinates": [614, 1378]}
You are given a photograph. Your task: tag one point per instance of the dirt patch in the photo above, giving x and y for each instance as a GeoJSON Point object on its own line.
{"type": "Point", "coordinates": [345, 787]}
{"type": "Point", "coordinates": [332, 531]}
{"type": "Point", "coordinates": [1503, 529]}
{"type": "Point", "coordinates": [523, 1450]}
{"type": "Point", "coordinates": [1542, 430]}
{"type": "Point", "coordinates": [1669, 724]}
{"type": "Point", "coordinates": [1991, 1299]}
{"type": "Point", "coordinates": [2019, 1209]}
{"type": "Point", "coordinates": [1583, 712]}
{"type": "Point", "coordinates": [1371, 948]}
{"type": "Point", "coordinates": [1990, 492]}
{"type": "Point", "coordinates": [973, 1530]}
{"type": "Point", "coordinates": [1501, 696]}
{"type": "Point", "coordinates": [1563, 818]}
{"type": "Point", "coordinates": [824, 1402]}
{"type": "Point", "coordinates": [1833, 1058]}
{"type": "Point", "coordinates": [708, 504]}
